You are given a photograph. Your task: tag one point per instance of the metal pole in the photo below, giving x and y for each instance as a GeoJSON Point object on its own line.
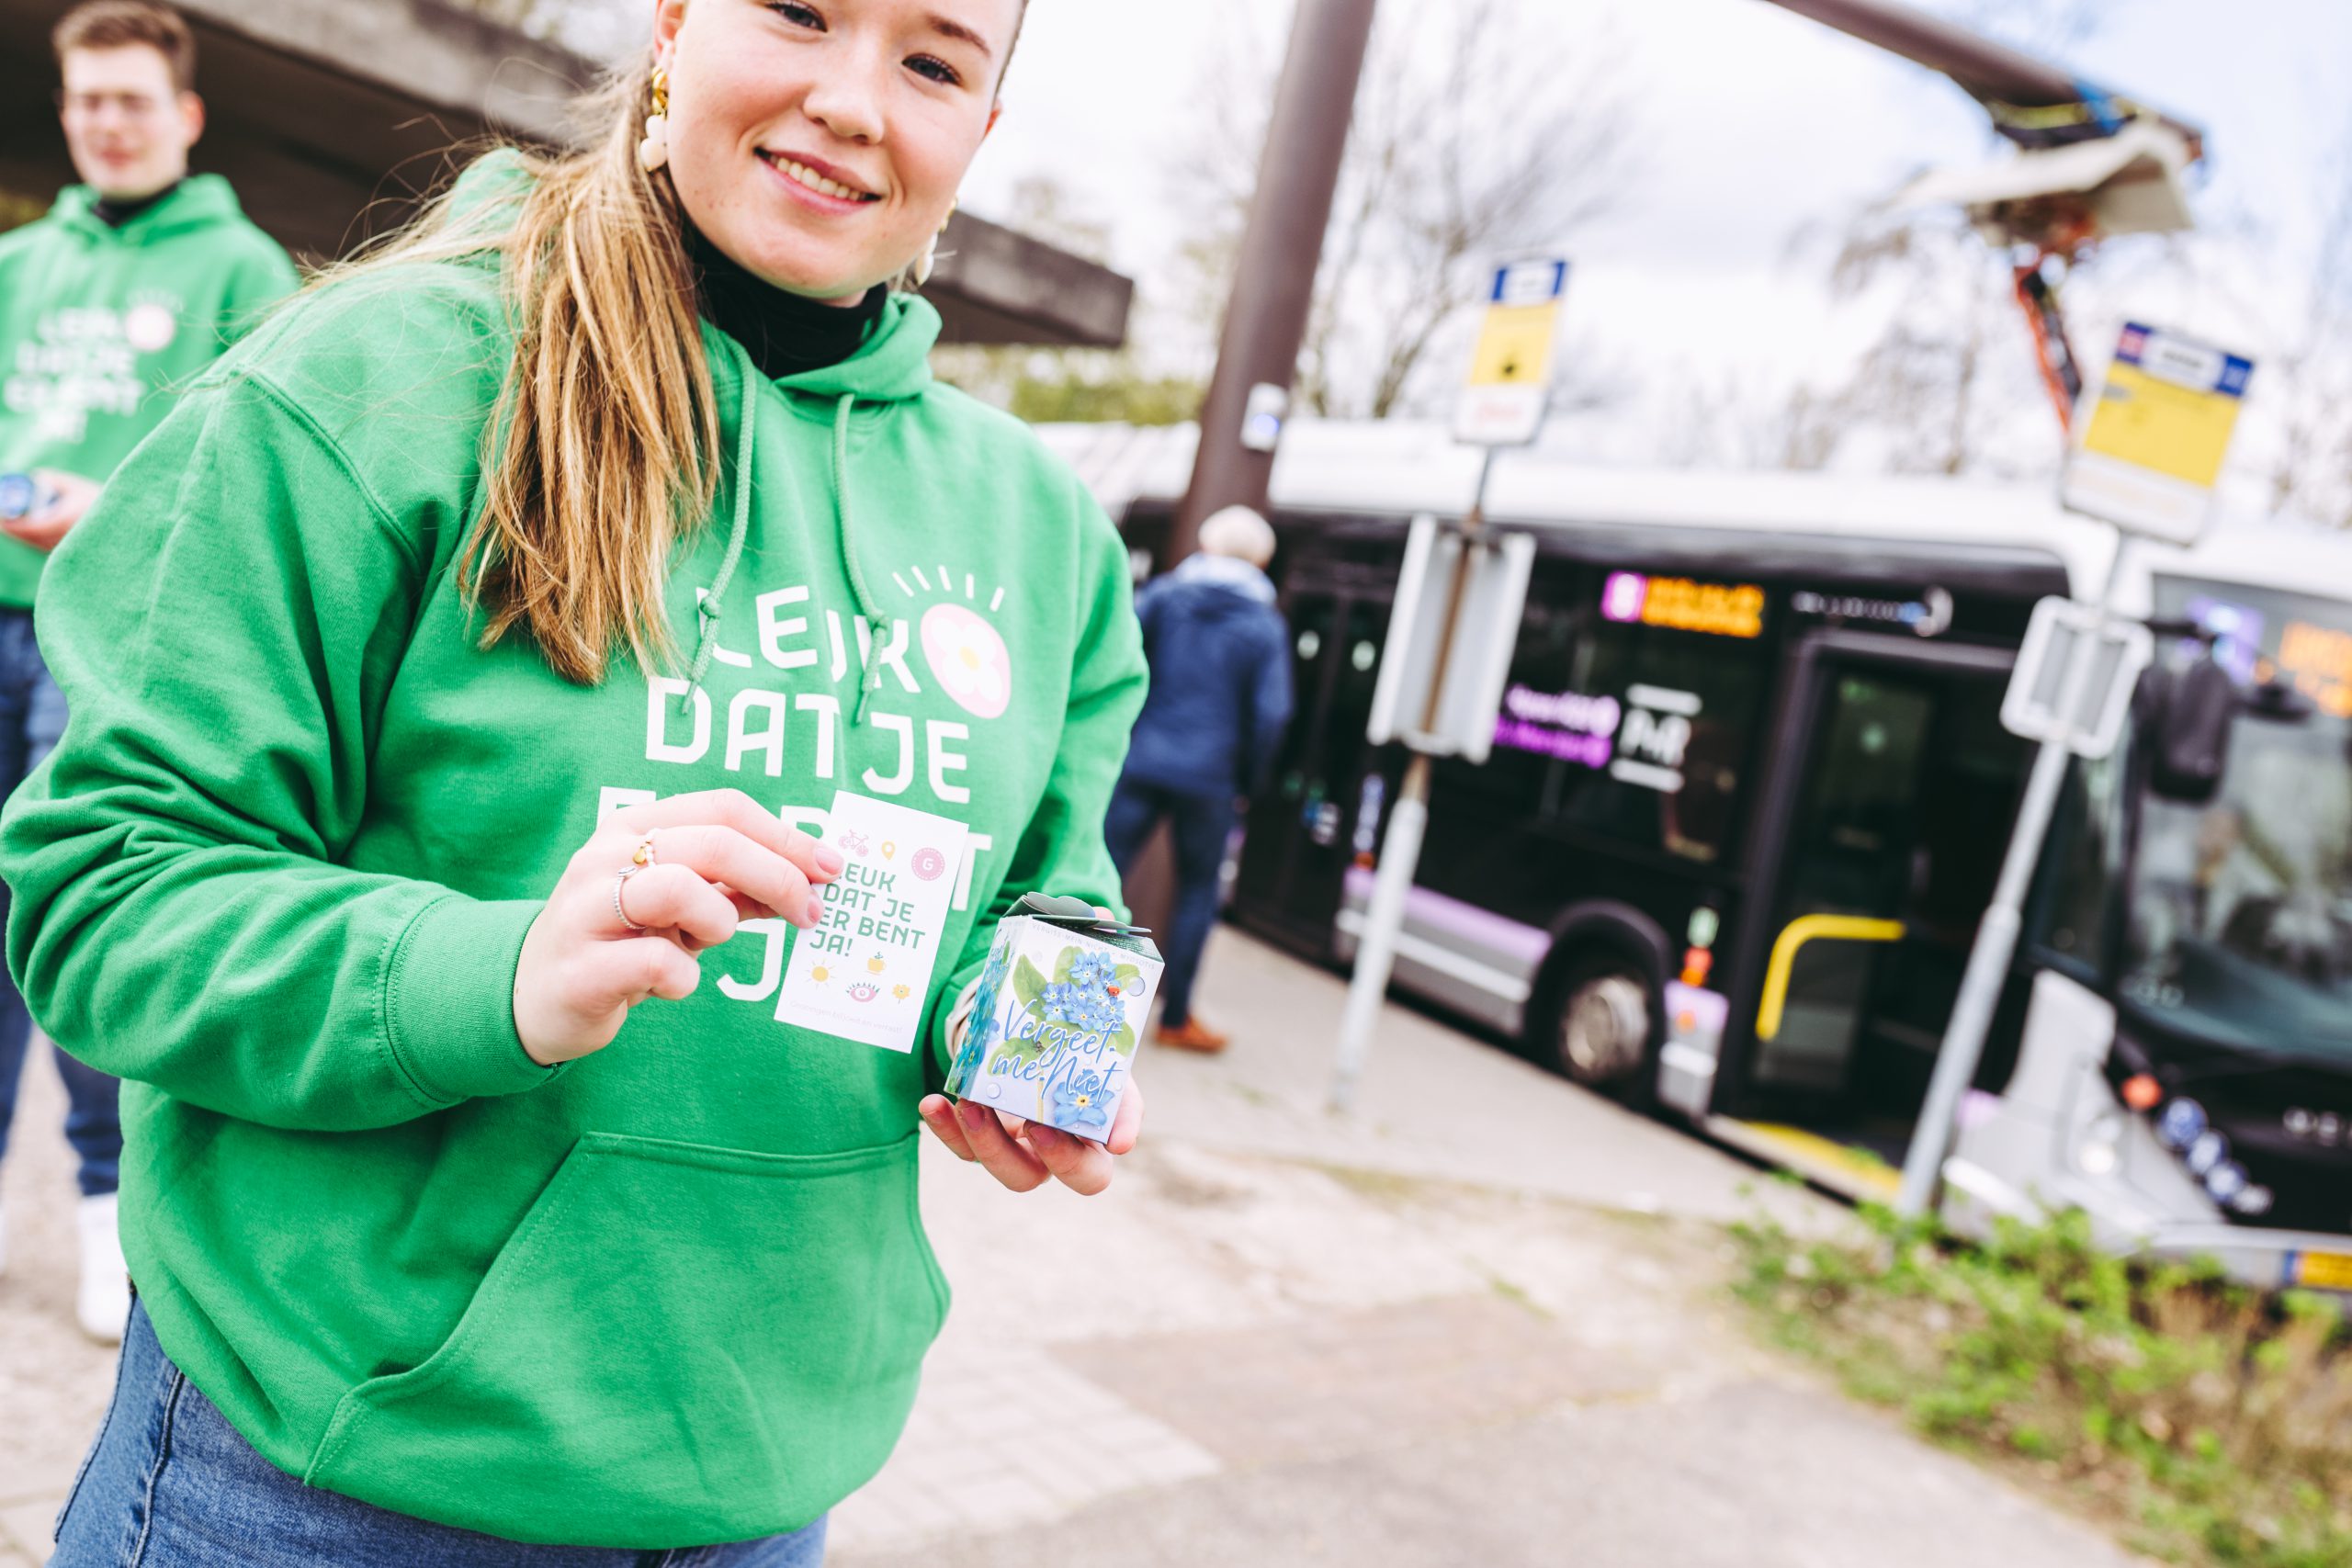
{"type": "Point", "coordinates": [1400, 846]}
{"type": "Point", "coordinates": [1400, 854]}
{"type": "Point", "coordinates": [1273, 288]}
{"type": "Point", "coordinates": [1996, 937]}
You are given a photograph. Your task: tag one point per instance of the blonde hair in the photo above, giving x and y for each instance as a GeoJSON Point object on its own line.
{"type": "Point", "coordinates": [604, 450]}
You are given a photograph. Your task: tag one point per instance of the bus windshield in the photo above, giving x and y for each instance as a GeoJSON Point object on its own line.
{"type": "Point", "coordinates": [2240, 909]}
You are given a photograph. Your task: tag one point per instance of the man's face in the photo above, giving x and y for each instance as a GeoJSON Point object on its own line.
{"type": "Point", "coordinates": [127, 126]}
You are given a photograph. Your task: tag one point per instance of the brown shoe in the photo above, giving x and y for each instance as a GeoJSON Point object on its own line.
{"type": "Point", "coordinates": [1191, 1035]}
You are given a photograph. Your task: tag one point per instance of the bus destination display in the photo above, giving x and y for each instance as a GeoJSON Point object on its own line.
{"type": "Point", "coordinates": [1678, 603]}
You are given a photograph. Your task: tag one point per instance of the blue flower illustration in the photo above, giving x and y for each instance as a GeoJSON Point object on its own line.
{"type": "Point", "coordinates": [1091, 971]}
{"type": "Point", "coordinates": [1105, 1015]}
{"type": "Point", "coordinates": [1078, 1103]}
{"type": "Point", "coordinates": [1066, 1004]}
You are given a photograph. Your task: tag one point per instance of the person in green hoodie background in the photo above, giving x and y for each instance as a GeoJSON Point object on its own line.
{"type": "Point", "coordinates": [137, 280]}
{"type": "Point", "coordinates": [461, 677]}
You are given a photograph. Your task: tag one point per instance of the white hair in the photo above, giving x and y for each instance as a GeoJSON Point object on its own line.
{"type": "Point", "coordinates": [1240, 532]}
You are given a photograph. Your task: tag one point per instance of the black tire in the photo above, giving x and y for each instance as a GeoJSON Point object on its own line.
{"type": "Point", "coordinates": [1598, 1028]}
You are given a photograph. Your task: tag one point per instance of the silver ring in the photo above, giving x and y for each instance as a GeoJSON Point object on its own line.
{"type": "Point", "coordinates": [620, 880]}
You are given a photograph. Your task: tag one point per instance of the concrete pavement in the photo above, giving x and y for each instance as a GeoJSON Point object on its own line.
{"type": "Point", "coordinates": [1482, 1322]}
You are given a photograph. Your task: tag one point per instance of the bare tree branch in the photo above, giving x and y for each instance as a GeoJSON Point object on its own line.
{"type": "Point", "coordinates": [1439, 183]}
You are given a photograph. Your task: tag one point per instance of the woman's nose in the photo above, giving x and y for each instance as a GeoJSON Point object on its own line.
{"type": "Point", "coordinates": [847, 100]}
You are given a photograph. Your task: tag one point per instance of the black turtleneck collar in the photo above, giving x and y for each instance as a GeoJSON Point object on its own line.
{"type": "Point", "coordinates": [114, 213]}
{"type": "Point", "coordinates": [784, 333]}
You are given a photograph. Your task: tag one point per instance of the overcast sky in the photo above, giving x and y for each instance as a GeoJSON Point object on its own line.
{"type": "Point", "coordinates": [1760, 122]}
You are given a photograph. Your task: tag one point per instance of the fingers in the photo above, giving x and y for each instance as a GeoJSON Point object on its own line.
{"type": "Point", "coordinates": [673, 898]}
{"type": "Point", "coordinates": [938, 1114]}
{"type": "Point", "coordinates": [724, 855]}
{"type": "Point", "coordinates": [1127, 1126]}
{"type": "Point", "coordinates": [733, 808]}
{"type": "Point", "coordinates": [671, 973]}
{"type": "Point", "coordinates": [995, 1149]}
{"type": "Point", "coordinates": [623, 974]}
{"type": "Point", "coordinates": [1022, 1162]}
{"type": "Point", "coordinates": [1082, 1167]}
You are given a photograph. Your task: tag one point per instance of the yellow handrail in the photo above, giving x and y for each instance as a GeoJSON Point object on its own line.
{"type": "Point", "coordinates": [1803, 929]}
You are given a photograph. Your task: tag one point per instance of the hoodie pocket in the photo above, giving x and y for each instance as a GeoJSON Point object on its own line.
{"type": "Point", "coordinates": [678, 1345]}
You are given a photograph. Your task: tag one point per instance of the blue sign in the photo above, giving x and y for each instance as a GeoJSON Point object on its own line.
{"type": "Point", "coordinates": [1529, 283]}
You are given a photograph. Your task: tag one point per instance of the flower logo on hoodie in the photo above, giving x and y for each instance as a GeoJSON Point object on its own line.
{"type": "Point", "coordinates": [968, 658]}
{"type": "Point", "coordinates": [150, 327]}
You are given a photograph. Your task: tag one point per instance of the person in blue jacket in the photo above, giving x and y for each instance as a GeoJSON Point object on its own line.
{"type": "Point", "coordinates": [1220, 700]}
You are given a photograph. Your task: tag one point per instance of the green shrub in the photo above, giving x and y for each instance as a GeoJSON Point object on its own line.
{"type": "Point", "coordinates": [2219, 1416]}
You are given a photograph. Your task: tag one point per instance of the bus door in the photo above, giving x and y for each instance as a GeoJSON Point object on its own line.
{"type": "Point", "coordinates": [1302, 829]}
{"type": "Point", "coordinates": [1879, 844]}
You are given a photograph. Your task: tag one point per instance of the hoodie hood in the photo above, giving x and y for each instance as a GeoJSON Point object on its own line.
{"type": "Point", "coordinates": [891, 368]}
{"type": "Point", "coordinates": [1227, 572]}
{"type": "Point", "coordinates": [199, 201]}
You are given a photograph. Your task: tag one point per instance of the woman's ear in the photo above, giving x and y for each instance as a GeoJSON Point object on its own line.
{"type": "Point", "coordinates": [668, 17]}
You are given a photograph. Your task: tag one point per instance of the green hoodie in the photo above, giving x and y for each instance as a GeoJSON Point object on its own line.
{"type": "Point", "coordinates": [278, 874]}
{"type": "Point", "coordinates": [99, 325]}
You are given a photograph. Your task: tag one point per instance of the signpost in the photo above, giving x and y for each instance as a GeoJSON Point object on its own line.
{"type": "Point", "coordinates": [2151, 451]}
{"type": "Point", "coordinates": [2147, 460]}
{"type": "Point", "coordinates": [1453, 627]}
{"type": "Point", "coordinates": [1510, 374]}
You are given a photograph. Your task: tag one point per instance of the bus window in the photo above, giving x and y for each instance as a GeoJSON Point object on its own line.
{"type": "Point", "coordinates": [1485, 840]}
{"type": "Point", "coordinates": [1635, 732]}
{"type": "Point", "coordinates": [2073, 924]}
{"type": "Point", "coordinates": [1672, 779]}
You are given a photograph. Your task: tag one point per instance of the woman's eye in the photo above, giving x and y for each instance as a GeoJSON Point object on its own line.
{"type": "Point", "coordinates": [799, 15]}
{"type": "Point", "coordinates": [936, 68]}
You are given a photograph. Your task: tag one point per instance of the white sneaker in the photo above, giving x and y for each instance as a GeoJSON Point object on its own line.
{"type": "Point", "coordinates": [104, 1302]}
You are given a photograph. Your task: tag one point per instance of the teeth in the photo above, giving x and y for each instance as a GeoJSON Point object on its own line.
{"type": "Point", "coordinates": [817, 181]}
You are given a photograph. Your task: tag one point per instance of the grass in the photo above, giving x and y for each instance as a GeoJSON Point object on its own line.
{"type": "Point", "coordinates": [2211, 1422]}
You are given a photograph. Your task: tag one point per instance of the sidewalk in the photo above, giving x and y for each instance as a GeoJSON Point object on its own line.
{"type": "Point", "coordinates": [1481, 1322]}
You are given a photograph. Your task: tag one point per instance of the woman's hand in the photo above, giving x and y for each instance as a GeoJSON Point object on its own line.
{"type": "Point", "coordinates": [717, 859]}
{"type": "Point", "coordinates": [1023, 1154]}
{"type": "Point", "coordinates": [69, 496]}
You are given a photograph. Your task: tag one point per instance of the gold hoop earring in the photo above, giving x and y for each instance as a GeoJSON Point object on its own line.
{"type": "Point", "coordinates": [654, 150]}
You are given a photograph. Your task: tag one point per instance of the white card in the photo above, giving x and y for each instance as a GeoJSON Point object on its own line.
{"type": "Point", "coordinates": [864, 974]}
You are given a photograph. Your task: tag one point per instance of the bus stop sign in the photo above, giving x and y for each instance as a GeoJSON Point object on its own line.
{"type": "Point", "coordinates": [1510, 373]}
{"type": "Point", "coordinates": [2075, 674]}
{"type": "Point", "coordinates": [2159, 426]}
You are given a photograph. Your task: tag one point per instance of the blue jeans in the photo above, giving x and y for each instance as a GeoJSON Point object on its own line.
{"type": "Point", "coordinates": [1201, 824]}
{"type": "Point", "coordinates": [169, 1483]}
{"type": "Point", "coordinates": [33, 717]}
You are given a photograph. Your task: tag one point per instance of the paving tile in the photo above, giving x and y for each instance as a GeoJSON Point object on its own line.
{"type": "Point", "coordinates": [1342, 1383]}
{"type": "Point", "coordinates": [25, 1526]}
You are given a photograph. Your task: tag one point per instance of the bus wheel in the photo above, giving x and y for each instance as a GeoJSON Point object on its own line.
{"type": "Point", "coordinates": [1603, 1035]}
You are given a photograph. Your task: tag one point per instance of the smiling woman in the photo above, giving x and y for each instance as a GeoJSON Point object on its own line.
{"type": "Point", "coordinates": [455, 1194]}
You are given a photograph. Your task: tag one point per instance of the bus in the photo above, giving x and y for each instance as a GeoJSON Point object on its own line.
{"type": "Point", "coordinates": [1749, 793]}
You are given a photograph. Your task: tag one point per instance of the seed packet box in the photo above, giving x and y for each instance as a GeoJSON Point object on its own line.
{"type": "Point", "coordinates": [1055, 1021]}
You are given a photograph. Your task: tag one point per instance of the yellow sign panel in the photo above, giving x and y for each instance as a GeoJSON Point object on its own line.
{"type": "Point", "coordinates": [2324, 1270]}
{"type": "Point", "coordinates": [1515, 346]}
{"type": "Point", "coordinates": [2169, 407]}
{"type": "Point", "coordinates": [2320, 659]}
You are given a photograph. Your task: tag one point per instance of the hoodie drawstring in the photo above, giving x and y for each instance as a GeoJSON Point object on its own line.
{"type": "Point", "coordinates": [713, 603]}
{"type": "Point", "coordinates": [878, 627]}
{"type": "Point", "coordinates": [714, 598]}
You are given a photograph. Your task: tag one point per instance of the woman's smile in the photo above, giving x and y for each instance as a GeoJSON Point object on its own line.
{"type": "Point", "coordinates": [807, 176]}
